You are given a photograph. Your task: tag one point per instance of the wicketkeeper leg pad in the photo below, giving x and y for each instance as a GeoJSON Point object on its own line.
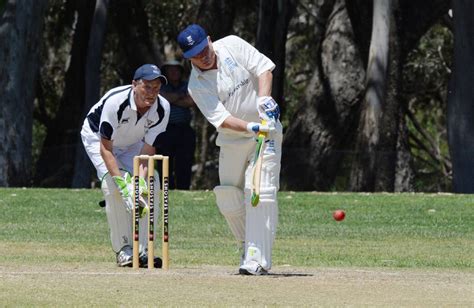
{"type": "Point", "coordinates": [230, 200]}
{"type": "Point", "coordinates": [143, 231]}
{"type": "Point", "coordinates": [261, 226]}
{"type": "Point", "coordinates": [118, 218]}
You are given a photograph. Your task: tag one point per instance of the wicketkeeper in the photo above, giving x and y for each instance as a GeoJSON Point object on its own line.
{"type": "Point", "coordinates": [125, 123]}
{"type": "Point", "coordinates": [231, 84]}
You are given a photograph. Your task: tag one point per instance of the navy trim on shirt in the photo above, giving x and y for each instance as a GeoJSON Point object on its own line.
{"type": "Point", "coordinates": [106, 130]}
{"type": "Point", "coordinates": [122, 107]}
{"type": "Point", "coordinates": [94, 117]}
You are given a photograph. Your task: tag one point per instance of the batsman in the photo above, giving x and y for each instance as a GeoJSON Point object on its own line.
{"type": "Point", "coordinates": [231, 83]}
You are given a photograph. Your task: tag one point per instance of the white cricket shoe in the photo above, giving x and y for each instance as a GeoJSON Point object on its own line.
{"type": "Point", "coordinates": [125, 256]}
{"type": "Point", "coordinates": [252, 268]}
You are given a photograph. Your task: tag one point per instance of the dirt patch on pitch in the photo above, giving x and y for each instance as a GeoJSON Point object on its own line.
{"type": "Point", "coordinates": [216, 286]}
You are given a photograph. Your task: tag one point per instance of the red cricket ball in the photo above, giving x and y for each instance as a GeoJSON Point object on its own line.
{"type": "Point", "coordinates": [339, 215]}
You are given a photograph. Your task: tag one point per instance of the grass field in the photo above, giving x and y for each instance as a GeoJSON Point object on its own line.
{"type": "Point", "coordinates": [392, 249]}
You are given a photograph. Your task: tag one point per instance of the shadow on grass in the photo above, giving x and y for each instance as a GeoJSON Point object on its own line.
{"type": "Point", "coordinates": [278, 275]}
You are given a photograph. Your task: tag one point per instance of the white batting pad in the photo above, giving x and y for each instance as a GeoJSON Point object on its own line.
{"type": "Point", "coordinates": [230, 201]}
{"type": "Point", "coordinates": [120, 221]}
{"type": "Point", "coordinates": [260, 229]}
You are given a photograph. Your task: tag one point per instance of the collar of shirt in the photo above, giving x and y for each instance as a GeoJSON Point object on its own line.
{"type": "Point", "coordinates": [131, 99]}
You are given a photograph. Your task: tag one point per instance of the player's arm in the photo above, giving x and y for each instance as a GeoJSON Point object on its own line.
{"type": "Point", "coordinates": [240, 125]}
{"type": "Point", "coordinates": [260, 66]}
{"type": "Point", "coordinates": [234, 123]}
{"type": "Point", "coordinates": [268, 109]}
{"type": "Point", "coordinates": [264, 93]}
{"type": "Point", "coordinates": [214, 111]}
{"type": "Point", "coordinates": [265, 84]}
{"type": "Point", "coordinates": [108, 156]}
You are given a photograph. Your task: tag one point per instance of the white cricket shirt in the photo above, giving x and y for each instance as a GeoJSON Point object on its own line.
{"type": "Point", "coordinates": [232, 88]}
{"type": "Point", "coordinates": [115, 118]}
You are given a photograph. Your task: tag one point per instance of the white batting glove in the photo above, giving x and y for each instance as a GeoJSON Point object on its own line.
{"type": "Point", "coordinates": [268, 109]}
{"type": "Point", "coordinates": [254, 127]}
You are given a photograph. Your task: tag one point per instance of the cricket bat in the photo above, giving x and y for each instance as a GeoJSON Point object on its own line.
{"type": "Point", "coordinates": [257, 168]}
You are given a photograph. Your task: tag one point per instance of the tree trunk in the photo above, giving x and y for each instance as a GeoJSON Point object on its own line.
{"type": "Point", "coordinates": [83, 169]}
{"type": "Point", "coordinates": [273, 20]}
{"type": "Point", "coordinates": [361, 15]}
{"type": "Point", "coordinates": [55, 166]}
{"type": "Point", "coordinates": [461, 97]}
{"type": "Point", "coordinates": [364, 165]}
{"type": "Point", "coordinates": [386, 159]}
{"type": "Point", "coordinates": [413, 19]}
{"type": "Point", "coordinates": [404, 174]}
{"type": "Point", "coordinates": [20, 32]}
{"type": "Point", "coordinates": [418, 17]}
{"type": "Point", "coordinates": [321, 131]}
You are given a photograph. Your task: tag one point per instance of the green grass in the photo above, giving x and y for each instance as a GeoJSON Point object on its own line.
{"type": "Point", "coordinates": [47, 226]}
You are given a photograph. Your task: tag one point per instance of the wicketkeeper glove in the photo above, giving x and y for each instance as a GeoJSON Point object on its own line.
{"type": "Point", "coordinates": [125, 187]}
{"type": "Point", "coordinates": [268, 109]}
{"type": "Point", "coordinates": [143, 191]}
{"type": "Point", "coordinates": [142, 187]}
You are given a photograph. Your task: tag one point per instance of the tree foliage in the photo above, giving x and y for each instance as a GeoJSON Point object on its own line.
{"type": "Point", "coordinates": [322, 53]}
{"type": "Point", "coordinates": [425, 80]}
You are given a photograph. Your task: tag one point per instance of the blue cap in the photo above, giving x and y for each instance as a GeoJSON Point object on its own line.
{"type": "Point", "coordinates": [192, 40]}
{"type": "Point", "coordinates": [149, 72]}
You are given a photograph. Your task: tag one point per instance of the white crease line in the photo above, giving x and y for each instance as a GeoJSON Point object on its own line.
{"type": "Point", "coordinates": [77, 273]}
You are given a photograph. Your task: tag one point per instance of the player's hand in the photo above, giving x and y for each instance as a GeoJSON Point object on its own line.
{"type": "Point", "coordinates": [268, 109]}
